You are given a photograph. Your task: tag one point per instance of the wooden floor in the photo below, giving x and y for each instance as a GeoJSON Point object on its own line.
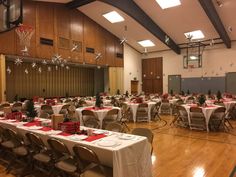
{"type": "Point", "coordinates": [180, 152]}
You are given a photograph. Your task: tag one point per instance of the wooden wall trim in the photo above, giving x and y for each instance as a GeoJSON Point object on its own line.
{"type": "Point", "coordinates": [2, 78]}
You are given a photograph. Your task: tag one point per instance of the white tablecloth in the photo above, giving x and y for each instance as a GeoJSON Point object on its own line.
{"type": "Point", "coordinates": [229, 104]}
{"type": "Point", "coordinates": [56, 108]}
{"type": "Point", "coordinates": [207, 111]}
{"type": "Point", "coordinates": [129, 158]}
{"type": "Point", "coordinates": [134, 107]}
{"type": "Point", "coordinates": [99, 113]}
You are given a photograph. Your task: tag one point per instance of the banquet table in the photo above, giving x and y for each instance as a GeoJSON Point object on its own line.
{"type": "Point", "coordinates": [56, 108]}
{"type": "Point", "coordinates": [207, 111]}
{"type": "Point", "coordinates": [100, 113]}
{"type": "Point", "coordinates": [128, 155]}
{"type": "Point", "coordinates": [229, 104]}
{"type": "Point", "coordinates": [134, 108]}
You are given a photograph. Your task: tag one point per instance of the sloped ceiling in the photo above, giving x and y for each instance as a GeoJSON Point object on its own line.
{"type": "Point", "coordinates": [189, 16]}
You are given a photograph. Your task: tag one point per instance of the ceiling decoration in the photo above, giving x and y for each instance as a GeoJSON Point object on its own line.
{"type": "Point", "coordinates": [212, 14]}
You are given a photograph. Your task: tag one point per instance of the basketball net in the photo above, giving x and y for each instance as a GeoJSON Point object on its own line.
{"type": "Point", "coordinates": [25, 34]}
{"type": "Point", "coordinates": [190, 68]}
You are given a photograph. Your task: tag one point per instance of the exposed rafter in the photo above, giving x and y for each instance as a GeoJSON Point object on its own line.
{"type": "Point", "coordinates": [212, 14]}
{"type": "Point", "coordinates": [133, 10]}
{"type": "Point", "coordinates": [77, 3]}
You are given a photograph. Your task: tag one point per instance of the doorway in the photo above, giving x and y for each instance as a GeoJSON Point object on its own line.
{"type": "Point", "coordinates": [174, 83]}
{"type": "Point", "coordinates": [134, 87]}
{"type": "Point", "coordinates": [230, 79]}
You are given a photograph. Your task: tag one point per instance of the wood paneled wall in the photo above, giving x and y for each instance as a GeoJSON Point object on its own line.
{"type": "Point", "coordinates": [64, 26]}
{"type": "Point", "coordinates": [152, 75]}
{"type": "Point", "coordinates": [2, 78]}
{"type": "Point", "coordinates": [76, 81]}
{"type": "Point", "coordinates": [116, 80]}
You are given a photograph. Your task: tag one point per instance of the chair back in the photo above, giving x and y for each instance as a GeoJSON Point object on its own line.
{"type": "Point", "coordinates": [14, 137]}
{"type": "Point", "coordinates": [85, 154]}
{"type": "Point", "coordinates": [46, 107]}
{"type": "Point", "coordinates": [44, 115]}
{"type": "Point", "coordinates": [218, 113]}
{"type": "Point", "coordinates": [17, 106]}
{"type": "Point", "coordinates": [4, 135]}
{"type": "Point", "coordinates": [115, 127]}
{"type": "Point", "coordinates": [59, 148]}
{"type": "Point", "coordinates": [112, 114]}
{"type": "Point", "coordinates": [144, 132]}
{"type": "Point", "coordinates": [66, 106]}
{"type": "Point", "coordinates": [35, 141]}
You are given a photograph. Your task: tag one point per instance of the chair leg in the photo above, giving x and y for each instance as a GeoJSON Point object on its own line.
{"type": "Point", "coordinates": [229, 123]}
{"type": "Point", "coordinates": [8, 169]}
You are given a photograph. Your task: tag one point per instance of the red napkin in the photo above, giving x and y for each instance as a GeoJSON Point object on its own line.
{"type": "Point", "coordinates": [34, 123]}
{"type": "Point", "coordinates": [95, 137]}
{"type": "Point", "coordinates": [46, 129]}
{"type": "Point", "coordinates": [64, 134]}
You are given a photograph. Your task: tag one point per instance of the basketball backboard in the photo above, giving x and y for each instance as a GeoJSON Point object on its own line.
{"type": "Point", "coordinates": [10, 14]}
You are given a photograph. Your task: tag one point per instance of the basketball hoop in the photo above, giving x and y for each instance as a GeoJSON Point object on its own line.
{"type": "Point", "coordinates": [25, 33]}
{"type": "Point", "coordinates": [190, 67]}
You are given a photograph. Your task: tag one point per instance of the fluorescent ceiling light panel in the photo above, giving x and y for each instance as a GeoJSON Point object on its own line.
{"type": "Point", "coordinates": [195, 34]}
{"type": "Point", "coordinates": [164, 4]}
{"type": "Point", "coordinates": [113, 17]}
{"type": "Point", "coordinates": [146, 43]}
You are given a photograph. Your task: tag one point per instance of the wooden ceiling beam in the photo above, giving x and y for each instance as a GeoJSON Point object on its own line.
{"type": "Point", "coordinates": [77, 3]}
{"type": "Point", "coordinates": [212, 14]}
{"type": "Point", "coordinates": [134, 11]}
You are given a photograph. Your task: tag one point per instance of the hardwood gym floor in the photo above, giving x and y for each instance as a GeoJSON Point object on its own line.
{"type": "Point", "coordinates": [180, 152]}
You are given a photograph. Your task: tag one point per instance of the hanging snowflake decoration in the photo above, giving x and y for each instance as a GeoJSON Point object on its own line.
{"type": "Point", "coordinates": [62, 65]}
{"type": "Point", "coordinates": [167, 39]}
{"type": "Point", "coordinates": [26, 71]}
{"type": "Point", "coordinates": [18, 61]}
{"type": "Point", "coordinates": [25, 51]}
{"type": "Point", "coordinates": [33, 65]}
{"type": "Point", "coordinates": [56, 59]}
{"type": "Point", "coordinates": [40, 70]}
{"type": "Point", "coordinates": [8, 70]}
{"type": "Point", "coordinates": [67, 67]}
{"type": "Point", "coordinates": [44, 62]}
{"type": "Point", "coordinates": [56, 67]}
{"type": "Point", "coordinates": [98, 56]}
{"type": "Point", "coordinates": [49, 69]}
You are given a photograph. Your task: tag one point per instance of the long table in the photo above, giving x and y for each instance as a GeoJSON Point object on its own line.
{"type": "Point", "coordinates": [129, 157]}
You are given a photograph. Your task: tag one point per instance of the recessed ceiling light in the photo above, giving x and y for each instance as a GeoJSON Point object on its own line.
{"type": "Point", "coordinates": [194, 34]}
{"type": "Point", "coordinates": [113, 17]}
{"type": "Point", "coordinates": [146, 43]}
{"type": "Point", "coordinates": [164, 4]}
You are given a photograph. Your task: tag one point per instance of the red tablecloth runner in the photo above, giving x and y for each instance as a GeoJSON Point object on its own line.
{"type": "Point", "coordinates": [33, 123]}
{"type": "Point", "coordinates": [64, 134]}
{"type": "Point", "coordinates": [46, 129]}
{"type": "Point", "coordinates": [95, 137]}
{"type": "Point", "coordinates": [96, 109]}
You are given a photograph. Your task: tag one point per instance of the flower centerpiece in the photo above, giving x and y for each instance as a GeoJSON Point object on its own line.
{"type": "Point", "coordinates": [127, 94]}
{"type": "Point", "coordinates": [99, 102]}
{"type": "Point", "coordinates": [171, 92]}
{"type": "Point", "coordinates": [31, 113]}
{"type": "Point", "coordinates": [201, 100]}
{"type": "Point", "coordinates": [218, 95]}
